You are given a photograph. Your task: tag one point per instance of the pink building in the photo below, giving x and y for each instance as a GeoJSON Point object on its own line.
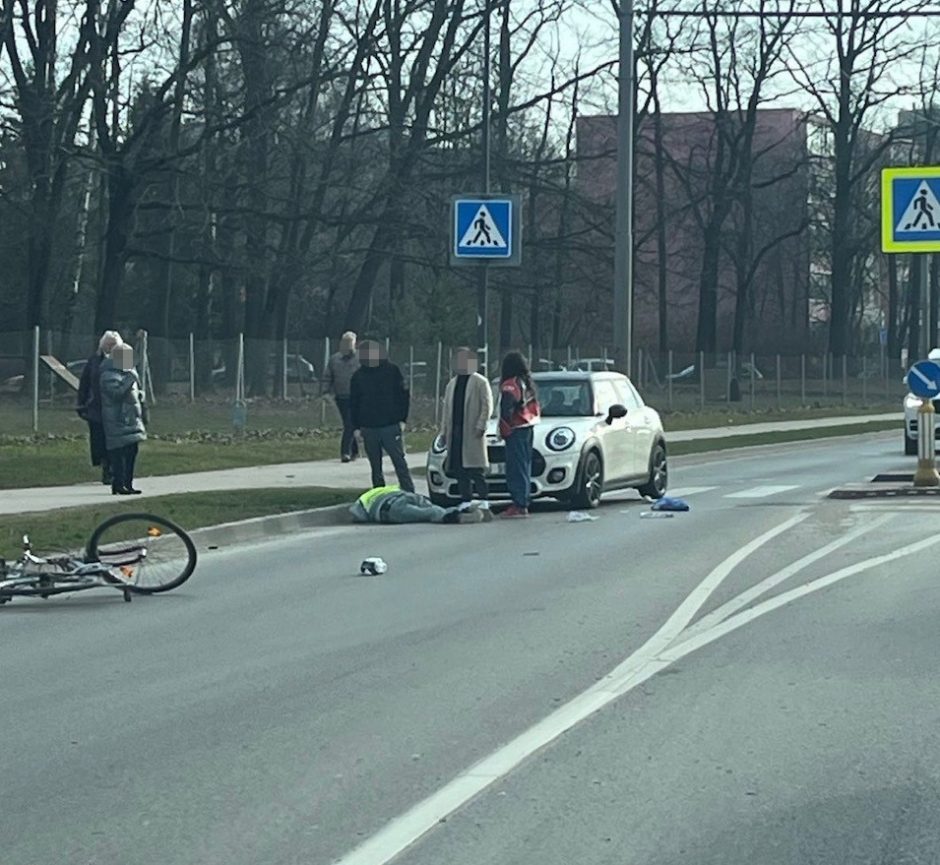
{"type": "Point", "coordinates": [704, 205]}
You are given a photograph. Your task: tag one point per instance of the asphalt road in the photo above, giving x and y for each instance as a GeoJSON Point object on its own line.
{"type": "Point", "coordinates": [620, 688]}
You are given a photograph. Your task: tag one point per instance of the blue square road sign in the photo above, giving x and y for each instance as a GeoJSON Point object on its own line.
{"type": "Point", "coordinates": [483, 228]}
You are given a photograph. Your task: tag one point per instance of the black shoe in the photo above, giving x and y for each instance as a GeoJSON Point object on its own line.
{"type": "Point", "coordinates": [346, 458]}
{"type": "Point", "coordinates": [117, 492]}
{"type": "Point", "coordinates": [130, 491]}
{"type": "Point", "coordinates": [106, 478]}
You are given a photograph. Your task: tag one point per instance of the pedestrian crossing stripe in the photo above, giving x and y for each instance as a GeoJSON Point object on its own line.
{"type": "Point", "coordinates": [762, 492]}
{"type": "Point", "coordinates": [483, 232]}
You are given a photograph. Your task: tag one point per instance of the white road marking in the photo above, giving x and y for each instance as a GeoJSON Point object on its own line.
{"type": "Point", "coordinates": [686, 646]}
{"type": "Point", "coordinates": [893, 506]}
{"type": "Point", "coordinates": [762, 492]}
{"type": "Point", "coordinates": [716, 617]}
{"type": "Point", "coordinates": [404, 830]}
{"type": "Point", "coordinates": [642, 665]}
{"type": "Point", "coordinates": [684, 492]}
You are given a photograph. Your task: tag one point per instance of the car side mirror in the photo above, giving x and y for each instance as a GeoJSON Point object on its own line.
{"type": "Point", "coordinates": [616, 411]}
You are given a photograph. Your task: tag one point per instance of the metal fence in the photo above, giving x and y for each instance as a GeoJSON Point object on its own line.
{"type": "Point", "coordinates": [195, 384]}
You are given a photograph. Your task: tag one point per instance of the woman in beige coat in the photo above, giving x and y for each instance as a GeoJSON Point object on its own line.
{"type": "Point", "coordinates": [468, 404]}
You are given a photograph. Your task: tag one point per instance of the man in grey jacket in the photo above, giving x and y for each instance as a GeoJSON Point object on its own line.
{"type": "Point", "coordinates": [122, 416]}
{"type": "Point", "coordinates": [337, 379]}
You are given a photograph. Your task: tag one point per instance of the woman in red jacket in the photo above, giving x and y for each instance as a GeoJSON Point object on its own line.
{"type": "Point", "coordinates": [518, 413]}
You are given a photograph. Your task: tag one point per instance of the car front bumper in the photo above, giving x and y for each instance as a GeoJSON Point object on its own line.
{"type": "Point", "coordinates": [553, 474]}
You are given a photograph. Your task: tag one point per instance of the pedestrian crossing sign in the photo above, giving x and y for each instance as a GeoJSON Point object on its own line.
{"type": "Point", "coordinates": [910, 209]}
{"type": "Point", "coordinates": [485, 228]}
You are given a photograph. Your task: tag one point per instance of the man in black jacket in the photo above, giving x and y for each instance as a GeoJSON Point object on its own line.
{"type": "Point", "coordinates": [378, 404]}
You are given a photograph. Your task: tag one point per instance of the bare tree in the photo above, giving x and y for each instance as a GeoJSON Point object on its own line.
{"type": "Point", "coordinates": [51, 87]}
{"type": "Point", "coordinates": [851, 81]}
{"type": "Point", "coordinates": [741, 59]}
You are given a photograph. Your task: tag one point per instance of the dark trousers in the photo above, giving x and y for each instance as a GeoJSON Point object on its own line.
{"type": "Point", "coordinates": [348, 446]}
{"type": "Point", "coordinates": [519, 465]}
{"type": "Point", "coordinates": [99, 448]}
{"type": "Point", "coordinates": [122, 466]}
{"type": "Point", "coordinates": [470, 481]}
{"type": "Point", "coordinates": [389, 439]}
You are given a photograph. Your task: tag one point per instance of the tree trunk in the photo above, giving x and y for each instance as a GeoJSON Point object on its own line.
{"type": "Point", "coordinates": [706, 338]}
{"type": "Point", "coordinates": [662, 253]}
{"type": "Point", "coordinates": [114, 256]}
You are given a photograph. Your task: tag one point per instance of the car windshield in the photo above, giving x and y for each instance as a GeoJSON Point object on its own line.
{"type": "Point", "coordinates": [565, 398]}
{"type": "Point", "coordinates": [558, 398]}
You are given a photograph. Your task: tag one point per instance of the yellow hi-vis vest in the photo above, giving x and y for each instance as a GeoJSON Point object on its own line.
{"type": "Point", "coordinates": [369, 496]}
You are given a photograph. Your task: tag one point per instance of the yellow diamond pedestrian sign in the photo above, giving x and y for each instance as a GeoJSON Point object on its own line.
{"type": "Point", "coordinates": [910, 209]}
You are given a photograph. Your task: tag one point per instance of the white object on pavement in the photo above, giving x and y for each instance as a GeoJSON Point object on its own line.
{"type": "Point", "coordinates": [373, 565]}
{"type": "Point", "coordinates": [580, 517]}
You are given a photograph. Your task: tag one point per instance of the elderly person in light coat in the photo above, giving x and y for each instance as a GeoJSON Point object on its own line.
{"type": "Point", "coordinates": [122, 414]}
{"type": "Point", "coordinates": [468, 404]}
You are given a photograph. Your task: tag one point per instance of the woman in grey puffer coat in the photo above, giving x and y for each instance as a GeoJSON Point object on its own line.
{"type": "Point", "coordinates": [122, 416]}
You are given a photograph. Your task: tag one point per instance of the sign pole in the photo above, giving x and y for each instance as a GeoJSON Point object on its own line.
{"type": "Point", "coordinates": [924, 303]}
{"type": "Point", "coordinates": [483, 288]}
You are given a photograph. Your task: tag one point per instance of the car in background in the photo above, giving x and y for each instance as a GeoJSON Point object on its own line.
{"type": "Point", "coordinates": [595, 435]}
{"type": "Point", "coordinates": [417, 371]}
{"type": "Point", "coordinates": [592, 364]}
{"type": "Point", "coordinates": [298, 369]}
{"type": "Point", "coordinates": [911, 407]}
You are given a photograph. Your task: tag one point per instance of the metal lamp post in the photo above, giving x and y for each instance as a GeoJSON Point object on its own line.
{"type": "Point", "coordinates": [483, 284]}
{"type": "Point", "coordinates": [623, 242]}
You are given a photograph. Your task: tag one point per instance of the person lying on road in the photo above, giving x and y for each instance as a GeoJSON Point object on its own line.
{"type": "Point", "coordinates": [391, 504]}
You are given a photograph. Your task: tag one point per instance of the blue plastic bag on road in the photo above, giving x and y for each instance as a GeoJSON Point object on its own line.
{"type": "Point", "coordinates": [667, 504]}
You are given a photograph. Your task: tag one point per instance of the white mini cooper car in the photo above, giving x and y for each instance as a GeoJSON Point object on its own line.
{"type": "Point", "coordinates": [595, 435]}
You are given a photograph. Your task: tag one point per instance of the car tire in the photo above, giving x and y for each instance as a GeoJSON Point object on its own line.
{"type": "Point", "coordinates": [590, 482]}
{"type": "Point", "coordinates": [910, 446]}
{"type": "Point", "coordinates": [655, 487]}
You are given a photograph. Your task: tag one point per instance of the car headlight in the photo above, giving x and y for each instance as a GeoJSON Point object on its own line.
{"type": "Point", "coordinates": [911, 401]}
{"type": "Point", "coordinates": [559, 439]}
{"type": "Point", "coordinates": [439, 445]}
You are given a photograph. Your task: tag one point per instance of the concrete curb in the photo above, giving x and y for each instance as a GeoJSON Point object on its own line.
{"type": "Point", "coordinates": [274, 525]}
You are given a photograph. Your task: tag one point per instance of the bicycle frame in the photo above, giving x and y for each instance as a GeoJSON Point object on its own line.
{"type": "Point", "coordinates": [26, 577]}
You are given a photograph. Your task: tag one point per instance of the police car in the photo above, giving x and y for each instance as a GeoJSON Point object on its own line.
{"type": "Point", "coordinates": [595, 435]}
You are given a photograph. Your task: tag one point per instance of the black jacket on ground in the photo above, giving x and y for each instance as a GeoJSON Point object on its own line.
{"type": "Point", "coordinates": [378, 396]}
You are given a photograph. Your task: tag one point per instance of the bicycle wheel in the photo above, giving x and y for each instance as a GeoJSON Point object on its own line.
{"type": "Point", "coordinates": [149, 553]}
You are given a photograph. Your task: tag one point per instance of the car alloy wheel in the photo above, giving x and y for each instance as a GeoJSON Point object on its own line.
{"type": "Point", "coordinates": [592, 482]}
{"type": "Point", "coordinates": [655, 487]}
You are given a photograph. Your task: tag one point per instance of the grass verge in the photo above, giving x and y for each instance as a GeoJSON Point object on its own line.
{"type": "Point", "coordinates": [779, 438]}
{"type": "Point", "coordinates": [55, 462]}
{"type": "Point", "coordinates": [70, 528]}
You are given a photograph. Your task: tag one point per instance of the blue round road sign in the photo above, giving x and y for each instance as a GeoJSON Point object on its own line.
{"type": "Point", "coordinates": [924, 379]}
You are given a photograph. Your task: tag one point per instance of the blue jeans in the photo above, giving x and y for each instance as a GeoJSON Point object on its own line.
{"type": "Point", "coordinates": [519, 465]}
